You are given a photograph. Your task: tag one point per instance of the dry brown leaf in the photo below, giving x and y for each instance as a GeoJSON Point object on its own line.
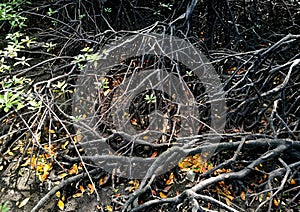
{"type": "Point", "coordinates": [154, 154]}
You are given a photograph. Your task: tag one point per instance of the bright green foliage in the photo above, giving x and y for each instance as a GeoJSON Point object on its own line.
{"type": "Point", "coordinates": [150, 98]}
{"type": "Point", "coordinates": [4, 207]}
{"type": "Point", "coordinates": [13, 95]}
{"type": "Point", "coordinates": [10, 10]}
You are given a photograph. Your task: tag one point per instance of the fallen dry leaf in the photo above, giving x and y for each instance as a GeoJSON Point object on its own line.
{"type": "Point", "coordinates": [73, 170]}
{"type": "Point", "coordinates": [162, 195]}
{"type": "Point", "coordinates": [24, 202]}
{"type": "Point", "coordinates": [61, 204]}
{"type": "Point", "coordinates": [77, 195]}
{"type": "Point", "coordinates": [91, 187]}
{"type": "Point", "coordinates": [243, 196]}
{"type": "Point", "coordinates": [109, 208]}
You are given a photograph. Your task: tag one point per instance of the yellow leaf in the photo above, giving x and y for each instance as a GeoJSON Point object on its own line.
{"type": "Point", "coordinates": [243, 196]}
{"type": "Point", "coordinates": [65, 144]}
{"type": "Point", "coordinates": [293, 182]}
{"type": "Point", "coordinates": [77, 195]}
{"type": "Point", "coordinates": [27, 162]}
{"type": "Point", "coordinates": [63, 175]}
{"type": "Point", "coordinates": [275, 202]}
{"type": "Point", "coordinates": [260, 197]}
{"type": "Point", "coordinates": [107, 92]}
{"type": "Point", "coordinates": [57, 194]}
{"type": "Point", "coordinates": [81, 189]}
{"type": "Point", "coordinates": [109, 208]}
{"type": "Point", "coordinates": [133, 121]}
{"type": "Point", "coordinates": [228, 202]}
{"type": "Point", "coordinates": [170, 180]}
{"type": "Point", "coordinates": [162, 195]}
{"type": "Point", "coordinates": [51, 131]}
{"type": "Point", "coordinates": [91, 187]}
{"type": "Point", "coordinates": [61, 205]}
{"type": "Point", "coordinates": [73, 170]}
{"type": "Point", "coordinates": [10, 153]}
{"type": "Point", "coordinates": [16, 148]}
{"type": "Point", "coordinates": [102, 180]}
{"type": "Point", "coordinates": [44, 176]}
{"type": "Point", "coordinates": [47, 167]}
{"type": "Point", "coordinates": [230, 197]}
{"type": "Point", "coordinates": [24, 202]}
{"type": "Point", "coordinates": [77, 138]}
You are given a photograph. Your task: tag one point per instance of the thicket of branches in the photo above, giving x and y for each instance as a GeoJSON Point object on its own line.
{"type": "Point", "coordinates": [254, 47]}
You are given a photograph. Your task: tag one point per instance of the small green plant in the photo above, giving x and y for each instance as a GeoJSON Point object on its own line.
{"type": "Point", "coordinates": [77, 118]}
{"type": "Point", "coordinates": [86, 49]}
{"type": "Point", "coordinates": [49, 46]}
{"type": "Point", "coordinates": [22, 61]}
{"type": "Point", "coordinates": [103, 84]}
{"type": "Point", "coordinates": [14, 96]}
{"type": "Point", "coordinates": [10, 11]}
{"type": "Point", "coordinates": [4, 207]}
{"type": "Point", "coordinates": [8, 100]}
{"type": "Point", "coordinates": [168, 6]}
{"type": "Point", "coordinates": [107, 9]}
{"type": "Point", "coordinates": [85, 57]}
{"type": "Point", "coordinates": [51, 12]}
{"type": "Point", "coordinates": [150, 98]}
{"type": "Point", "coordinates": [163, 6]}
{"type": "Point", "coordinates": [3, 66]}
{"type": "Point", "coordinates": [81, 16]}
{"type": "Point", "coordinates": [60, 88]}
{"type": "Point", "coordinates": [189, 73]}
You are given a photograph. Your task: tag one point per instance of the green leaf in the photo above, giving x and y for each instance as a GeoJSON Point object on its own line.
{"type": "Point", "coordinates": [6, 109]}
{"type": "Point", "coordinates": [2, 99]}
